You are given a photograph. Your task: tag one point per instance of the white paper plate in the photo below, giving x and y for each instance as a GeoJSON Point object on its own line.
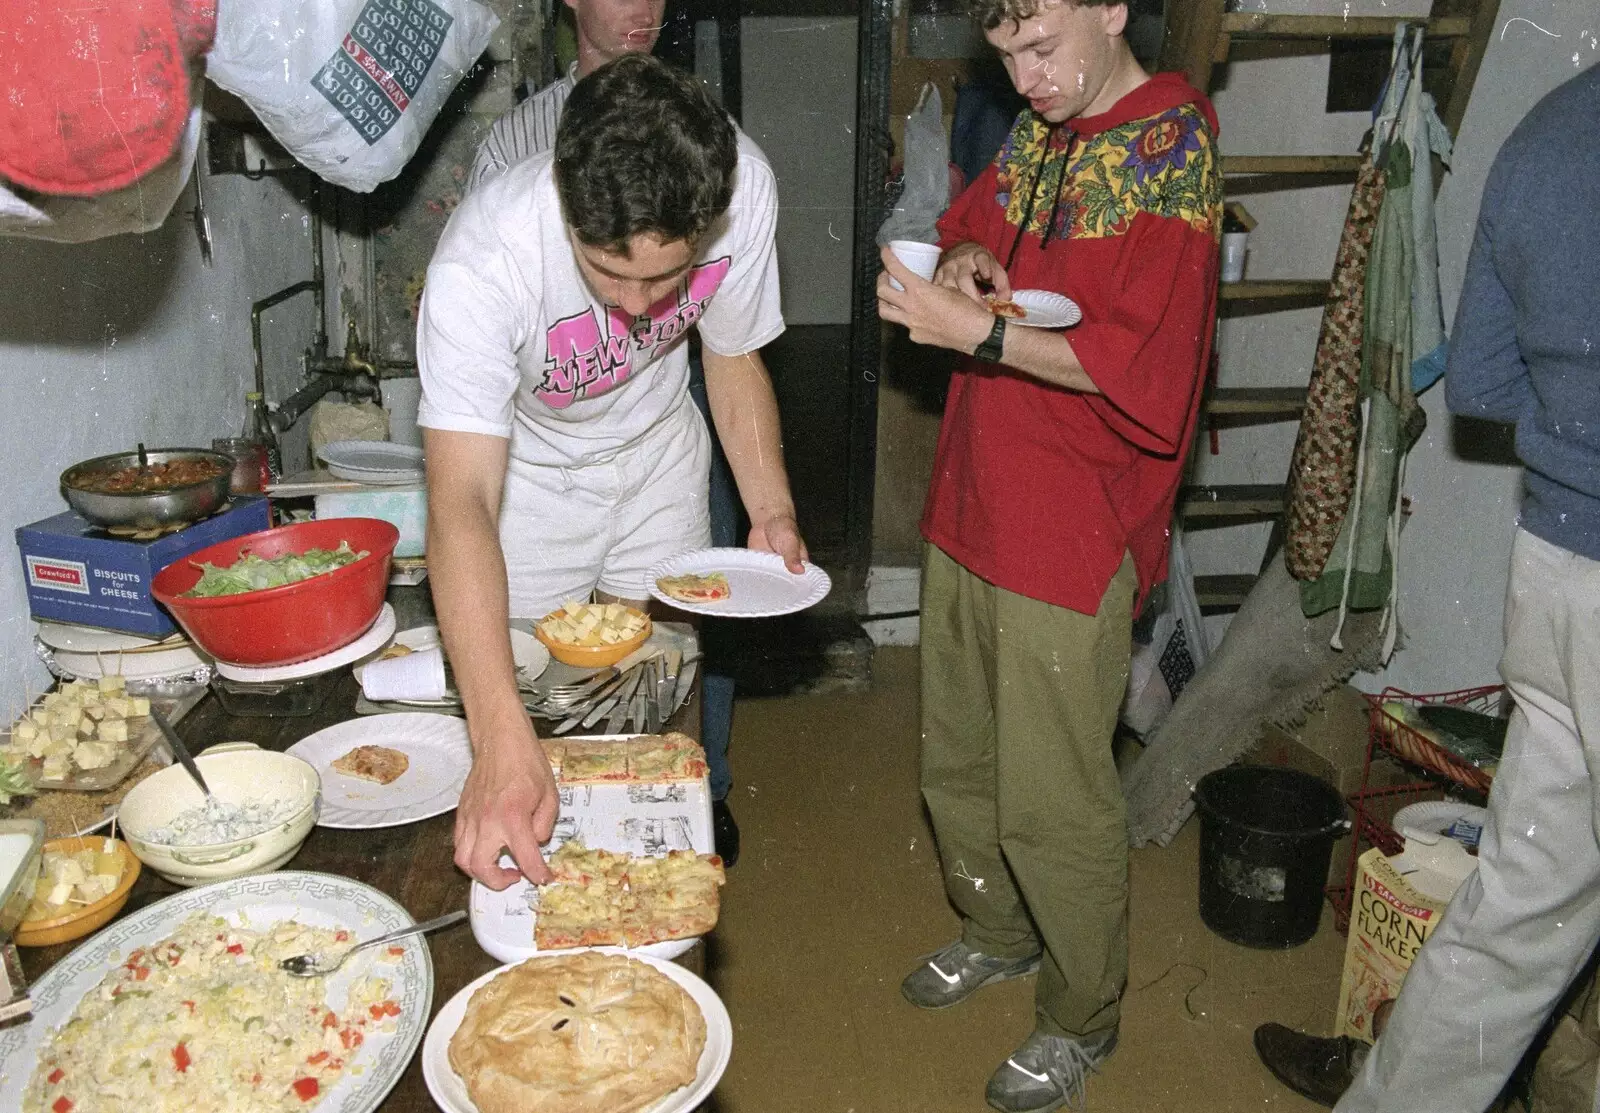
{"type": "Point", "coordinates": [760, 586]}
{"type": "Point", "coordinates": [1046, 309]}
{"type": "Point", "coordinates": [450, 1091]}
{"type": "Point", "coordinates": [529, 653]}
{"type": "Point", "coordinates": [258, 901]}
{"type": "Point", "coordinates": [67, 638]}
{"type": "Point", "coordinates": [435, 745]}
{"type": "Point", "coordinates": [376, 637]}
{"type": "Point", "coordinates": [373, 461]}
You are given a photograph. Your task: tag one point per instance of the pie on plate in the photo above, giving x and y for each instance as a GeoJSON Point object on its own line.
{"type": "Point", "coordinates": [600, 898]}
{"type": "Point", "coordinates": [373, 763]}
{"type": "Point", "coordinates": [581, 1033]}
{"type": "Point", "coordinates": [696, 587]}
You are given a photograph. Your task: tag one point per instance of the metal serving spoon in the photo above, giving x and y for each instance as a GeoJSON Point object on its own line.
{"type": "Point", "coordinates": [316, 966]}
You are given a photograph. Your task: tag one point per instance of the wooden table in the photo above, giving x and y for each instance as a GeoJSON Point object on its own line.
{"type": "Point", "coordinates": [414, 864]}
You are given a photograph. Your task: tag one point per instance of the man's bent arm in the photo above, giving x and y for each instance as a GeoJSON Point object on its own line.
{"type": "Point", "coordinates": [745, 411]}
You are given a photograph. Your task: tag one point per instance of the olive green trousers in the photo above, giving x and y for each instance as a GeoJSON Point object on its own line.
{"type": "Point", "coordinates": [1019, 703]}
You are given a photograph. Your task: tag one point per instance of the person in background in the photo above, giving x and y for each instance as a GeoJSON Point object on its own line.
{"type": "Point", "coordinates": [564, 454]}
{"type": "Point", "coordinates": [1526, 351]}
{"type": "Point", "coordinates": [1054, 482]}
{"type": "Point", "coordinates": [606, 30]}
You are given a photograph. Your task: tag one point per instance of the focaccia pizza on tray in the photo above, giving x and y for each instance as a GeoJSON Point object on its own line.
{"type": "Point", "coordinates": [601, 898]}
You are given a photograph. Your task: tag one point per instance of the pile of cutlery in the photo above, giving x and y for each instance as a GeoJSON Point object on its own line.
{"type": "Point", "coordinates": [646, 695]}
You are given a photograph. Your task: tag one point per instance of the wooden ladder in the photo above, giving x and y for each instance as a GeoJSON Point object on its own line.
{"type": "Point", "coordinates": [1200, 35]}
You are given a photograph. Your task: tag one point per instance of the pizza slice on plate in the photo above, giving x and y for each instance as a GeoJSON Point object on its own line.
{"type": "Point", "coordinates": [1002, 307]}
{"type": "Point", "coordinates": [588, 763]}
{"type": "Point", "coordinates": [696, 587]}
{"type": "Point", "coordinates": [602, 898]}
{"type": "Point", "coordinates": [665, 759]}
{"type": "Point", "coordinates": [373, 763]}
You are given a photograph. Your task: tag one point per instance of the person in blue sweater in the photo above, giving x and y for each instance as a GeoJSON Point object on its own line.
{"type": "Point", "coordinates": [1525, 351]}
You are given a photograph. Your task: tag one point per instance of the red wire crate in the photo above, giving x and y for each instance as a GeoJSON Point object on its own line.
{"type": "Point", "coordinates": [1410, 745]}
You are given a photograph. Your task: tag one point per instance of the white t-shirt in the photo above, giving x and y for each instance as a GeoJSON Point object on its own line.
{"type": "Point", "coordinates": [512, 342]}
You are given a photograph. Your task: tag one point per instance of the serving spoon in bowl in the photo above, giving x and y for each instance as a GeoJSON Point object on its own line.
{"type": "Point", "coordinates": [317, 966]}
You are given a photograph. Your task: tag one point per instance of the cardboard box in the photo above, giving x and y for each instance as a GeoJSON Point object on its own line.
{"type": "Point", "coordinates": [1397, 905]}
{"type": "Point", "coordinates": [77, 572]}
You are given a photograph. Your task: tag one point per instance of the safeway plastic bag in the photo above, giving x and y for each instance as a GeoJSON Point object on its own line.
{"type": "Point", "coordinates": [349, 87]}
{"type": "Point", "coordinates": [1158, 672]}
{"type": "Point", "coordinates": [927, 174]}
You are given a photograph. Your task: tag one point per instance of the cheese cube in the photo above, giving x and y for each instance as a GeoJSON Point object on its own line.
{"type": "Point", "coordinates": [112, 684]}
{"type": "Point", "coordinates": [114, 730]}
{"type": "Point", "coordinates": [138, 706]}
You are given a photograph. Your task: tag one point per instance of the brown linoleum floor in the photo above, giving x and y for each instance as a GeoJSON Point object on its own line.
{"type": "Point", "coordinates": [837, 894]}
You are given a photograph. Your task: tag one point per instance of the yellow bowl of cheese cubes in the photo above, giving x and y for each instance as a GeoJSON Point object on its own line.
{"type": "Point", "coordinates": [593, 635]}
{"type": "Point", "coordinates": [83, 882]}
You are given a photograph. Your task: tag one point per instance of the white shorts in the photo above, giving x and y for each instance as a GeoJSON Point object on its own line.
{"type": "Point", "coordinates": [568, 530]}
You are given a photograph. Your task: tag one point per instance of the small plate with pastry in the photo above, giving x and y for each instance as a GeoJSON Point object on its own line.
{"type": "Point", "coordinates": [736, 583]}
{"type": "Point", "coordinates": [1038, 309]}
{"type": "Point", "coordinates": [584, 1032]}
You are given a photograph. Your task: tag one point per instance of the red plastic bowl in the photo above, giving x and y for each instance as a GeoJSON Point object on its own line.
{"type": "Point", "coordinates": [295, 622]}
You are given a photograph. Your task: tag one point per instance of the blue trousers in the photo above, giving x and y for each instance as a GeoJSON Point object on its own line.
{"type": "Point", "coordinates": [716, 692]}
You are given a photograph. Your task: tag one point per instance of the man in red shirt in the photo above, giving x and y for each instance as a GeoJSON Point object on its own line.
{"type": "Point", "coordinates": [1047, 519]}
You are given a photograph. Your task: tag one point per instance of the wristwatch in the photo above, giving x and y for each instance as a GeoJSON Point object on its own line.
{"type": "Point", "coordinates": [989, 351]}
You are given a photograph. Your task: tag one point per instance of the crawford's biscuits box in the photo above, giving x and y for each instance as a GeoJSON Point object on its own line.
{"type": "Point", "coordinates": [77, 572]}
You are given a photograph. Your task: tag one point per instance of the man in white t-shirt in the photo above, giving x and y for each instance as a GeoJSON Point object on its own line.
{"type": "Point", "coordinates": [564, 452]}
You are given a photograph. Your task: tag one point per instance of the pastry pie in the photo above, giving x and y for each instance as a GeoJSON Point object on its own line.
{"type": "Point", "coordinates": [600, 898]}
{"type": "Point", "coordinates": [373, 763]}
{"type": "Point", "coordinates": [582, 1033]}
{"type": "Point", "coordinates": [693, 587]}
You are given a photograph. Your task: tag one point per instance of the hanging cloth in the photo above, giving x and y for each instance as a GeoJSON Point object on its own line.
{"type": "Point", "coordinates": [1322, 469]}
{"type": "Point", "coordinates": [1361, 573]}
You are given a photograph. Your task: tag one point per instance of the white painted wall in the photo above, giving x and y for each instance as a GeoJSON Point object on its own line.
{"type": "Point", "coordinates": [1456, 547]}
{"type": "Point", "coordinates": [129, 339]}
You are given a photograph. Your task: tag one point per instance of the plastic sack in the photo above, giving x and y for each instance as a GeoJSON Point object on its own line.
{"type": "Point", "coordinates": [927, 174]}
{"type": "Point", "coordinates": [1159, 671]}
{"type": "Point", "coordinates": [349, 87]}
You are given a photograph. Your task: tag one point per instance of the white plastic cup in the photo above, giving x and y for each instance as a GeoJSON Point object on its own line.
{"type": "Point", "coordinates": [1233, 252]}
{"type": "Point", "coordinates": [418, 675]}
{"type": "Point", "coordinates": [921, 259]}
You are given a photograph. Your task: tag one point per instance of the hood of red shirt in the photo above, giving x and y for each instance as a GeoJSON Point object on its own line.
{"type": "Point", "coordinates": [1161, 92]}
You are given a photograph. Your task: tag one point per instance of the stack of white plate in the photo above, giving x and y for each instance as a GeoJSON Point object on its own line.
{"type": "Point", "coordinates": [87, 653]}
{"type": "Point", "coordinates": [379, 462]}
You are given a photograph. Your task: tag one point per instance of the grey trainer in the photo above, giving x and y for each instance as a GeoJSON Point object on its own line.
{"type": "Point", "coordinates": [950, 976]}
{"type": "Point", "coordinates": [1047, 1072]}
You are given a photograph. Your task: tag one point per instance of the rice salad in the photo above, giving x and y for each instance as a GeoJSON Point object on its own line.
{"type": "Point", "coordinates": [206, 1020]}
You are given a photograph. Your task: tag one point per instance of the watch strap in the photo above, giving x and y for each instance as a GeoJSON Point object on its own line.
{"type": "Point", "coordinates": [990, 350]}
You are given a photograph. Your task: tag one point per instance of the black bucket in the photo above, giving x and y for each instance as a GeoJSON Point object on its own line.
{"type": "Point", "coordinates": [1266, 837]}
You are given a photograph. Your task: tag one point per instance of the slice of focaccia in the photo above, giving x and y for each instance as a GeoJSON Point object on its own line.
{"type": "Point", "coordinates": [374, 763]}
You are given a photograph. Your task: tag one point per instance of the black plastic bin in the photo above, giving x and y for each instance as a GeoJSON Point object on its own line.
{"type": "Point", "coordinates": [1266, 837]}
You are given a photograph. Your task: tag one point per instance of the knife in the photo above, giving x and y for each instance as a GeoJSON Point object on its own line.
{"type": "Point", "coordinates": [619, 713]}
{"type": "Point", "coordinates": [601, 702]}
{"type": "Point", "coordinates": [652, 696]}
{"type": "Point", "coordinates": [667, 682]}
{"type": "Point", "coordinates": [680, 695]}
{"type": "Point", "coordinates": [180, 751]}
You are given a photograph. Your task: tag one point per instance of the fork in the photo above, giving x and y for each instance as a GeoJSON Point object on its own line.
{"type": "Point", "coordinates": [316, 966]}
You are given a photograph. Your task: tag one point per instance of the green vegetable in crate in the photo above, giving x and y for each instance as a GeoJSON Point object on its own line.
{"type": "Point", "coordinates": [254, 573]}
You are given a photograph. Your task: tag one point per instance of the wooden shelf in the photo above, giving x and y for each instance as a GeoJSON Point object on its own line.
{"type": "Point", "coordinates": [1291, 164]}
{"type": "Point", "coordinates": [1263, 402]}
{"type": "Point", "coordinates": [1259, 25]}
{"type": "Point", "coordinates": [1221, 594]}
{"type": "Point", "coordinates": [1220, 502]}
{"type": "Point", "coordinates": [1276, 289]}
